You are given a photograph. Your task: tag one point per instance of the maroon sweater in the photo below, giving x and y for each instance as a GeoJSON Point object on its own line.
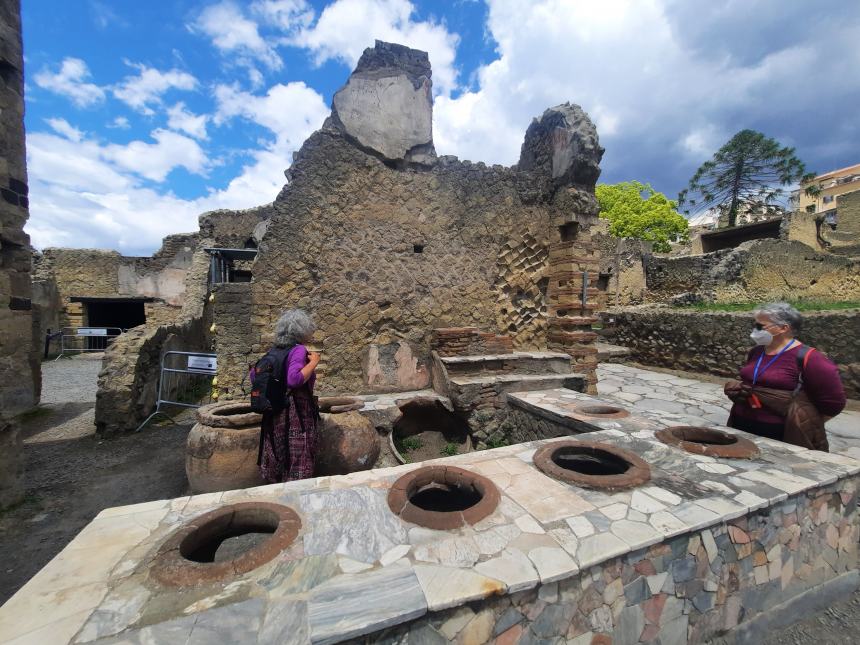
{"type": "Point", "coordinates": [821, 383]}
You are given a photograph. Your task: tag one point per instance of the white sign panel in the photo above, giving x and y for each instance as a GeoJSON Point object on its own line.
{"type": "Point", "coordinates": [92, 331]}
{"type": "Point", "coordinates": [208, 363]}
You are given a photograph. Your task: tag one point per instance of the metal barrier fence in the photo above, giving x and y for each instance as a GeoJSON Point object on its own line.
{"type": "Point", "coordinates": [87, 339]}
{"type": "Point", "coordinates": [185, 381]}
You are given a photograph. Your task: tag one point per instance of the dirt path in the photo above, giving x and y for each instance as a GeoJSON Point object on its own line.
{"type": "Point", "coordinates": [70, 475]}
{"type": "Point", "coordinates": [836, 625]}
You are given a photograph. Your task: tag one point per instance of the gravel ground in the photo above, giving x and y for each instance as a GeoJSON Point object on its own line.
{"type": "Point", "coordinates": [71, 380]}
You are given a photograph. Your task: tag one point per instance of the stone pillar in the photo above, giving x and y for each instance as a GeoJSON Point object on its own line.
{"type": "Point", "coordinates": [562, 152]}
{"type": "Point", "coordinates": [19, 366]}
{"type": "Point", "coordinates": [571, 313]}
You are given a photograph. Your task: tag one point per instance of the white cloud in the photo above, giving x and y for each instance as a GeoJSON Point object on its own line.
{"type": "Point", "coordinates": [147, 87]}
{"type": "Point", "coordinates": [71, 81]}
{"type": "Point", "coordinates": [178, 118]}
{"type": "Point", "coordinates": [88, 194]}
{"type": "Point", "coordinates": [652, 91]}
{"type": "Point", "coordinates": [119, 123]}
{"type": "Point", "coordinates": [286, 15]}
{"type": "Point", "coordinates": [235, 34]}
{"type": "Point", "coordinates": [155, 160]}
{"type": "Point", "coordinates": [63, 127]}
{"type": "Point", "coordinates": [291, 113]}
{"type": "Point", "coordinates": [346, 27]}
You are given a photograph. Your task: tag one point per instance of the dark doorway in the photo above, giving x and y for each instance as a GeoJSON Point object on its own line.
{"type": "Point", "coordinates": [124, 314]}
{"type": "Point", "coordinates": [112, 313]}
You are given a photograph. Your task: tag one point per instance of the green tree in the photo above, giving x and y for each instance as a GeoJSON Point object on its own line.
{"type": "Point", "coordinates": [636, 210]}
{"type": "Point", "coordinates": [747, 175]}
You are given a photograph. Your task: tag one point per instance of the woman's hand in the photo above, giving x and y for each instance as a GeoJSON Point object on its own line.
{"type": "Point", "coordinates": [313, 359]}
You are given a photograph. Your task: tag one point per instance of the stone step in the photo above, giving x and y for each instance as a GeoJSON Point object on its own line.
{"type": "Point", "coordinates": [518, 362]}
{"type": "Point", "coordinates": [607, 352]}
{"type": "Point", "coordinates": [473, 391]}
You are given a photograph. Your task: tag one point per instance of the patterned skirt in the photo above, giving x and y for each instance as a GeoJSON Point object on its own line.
{"type": "Point", "coordinates": [289, 440]}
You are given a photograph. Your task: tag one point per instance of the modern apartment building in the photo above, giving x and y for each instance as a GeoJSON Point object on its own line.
{"type": "Point", "coordinates": [832, 185]}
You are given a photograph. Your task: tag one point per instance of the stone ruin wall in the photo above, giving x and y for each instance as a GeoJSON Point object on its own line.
{"type": "Point", "coordinates": [756, 271]}
{"type": "Point", "coordinates": [128, 382]}
{"type": "Point", "coordinates": [382, 250]}
{"type": "Point", "coordinates": [60, 274]}
{"type": "Point", "coordinates": [20, 374]}
{"type": "Point", "coordinates": [717, 343]}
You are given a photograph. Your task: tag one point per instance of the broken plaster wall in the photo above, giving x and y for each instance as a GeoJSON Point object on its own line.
{"type": "Point", "coordinates": [382, 250]}
{"type": "Point", "coordinates": [20, 374]}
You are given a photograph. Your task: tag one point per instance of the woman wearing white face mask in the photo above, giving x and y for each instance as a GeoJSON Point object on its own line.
{"type": "Point", "coordinates": [786, 390]}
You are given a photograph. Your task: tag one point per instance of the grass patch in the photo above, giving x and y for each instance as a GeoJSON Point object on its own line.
{"type": "Point", "coordinates": [450, 449]}
{"type": "Point", "coordinates": [496, 443]}
{"type": "Point", "coordinates": [405, 444]}
{"type": "Point", "coordinates": [800, 305]}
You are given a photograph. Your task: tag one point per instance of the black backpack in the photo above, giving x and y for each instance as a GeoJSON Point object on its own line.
{"type": "Point", "coordinates": [268, 383]}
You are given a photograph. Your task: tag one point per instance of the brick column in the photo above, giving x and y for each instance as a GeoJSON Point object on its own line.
{"type": "Point", "coordinates": [569, 318]}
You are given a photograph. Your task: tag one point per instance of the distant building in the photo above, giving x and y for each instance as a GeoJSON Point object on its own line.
{"type": "Point", "coordinates": [832, 185]}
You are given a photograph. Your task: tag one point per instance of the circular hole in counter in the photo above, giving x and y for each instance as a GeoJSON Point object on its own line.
{"type": "Point", "coordinates": [592, 464]}
{"type": "Point", "coordinates": [708, 441]}
{"type": "Point", "coordinates": [225, 543]}
{"type": "Point", "coordinates": [601, 410]}
{"type": "Point", "coordinates": [443, 497]}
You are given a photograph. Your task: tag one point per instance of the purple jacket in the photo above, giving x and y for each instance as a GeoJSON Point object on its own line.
{"type": "Point", "coordinates": [296, 361]}
{"type": "Point", "coordinates": [821, 383]}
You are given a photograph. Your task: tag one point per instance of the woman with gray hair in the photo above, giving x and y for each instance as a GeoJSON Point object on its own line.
{"type": "Point", "coordinates": [289, 431]}
{"type": "Point", "coordinates": [786, 389]}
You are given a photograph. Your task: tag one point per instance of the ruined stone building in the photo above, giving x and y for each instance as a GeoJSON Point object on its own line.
{"type": "Point", "coordinates": [383, 241]}
{"type": "Point", "coordinates": [20, 375]}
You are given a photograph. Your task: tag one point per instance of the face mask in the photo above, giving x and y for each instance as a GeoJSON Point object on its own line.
{"type": "Point", "coordinates": [761, 336]}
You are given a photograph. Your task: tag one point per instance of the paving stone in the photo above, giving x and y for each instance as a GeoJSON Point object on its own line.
{"type": "Point", "coordinates": [581, 526]}
{"type": "Point", "coordinates": [236, 623]}
{"type": "Point", "coordinates": [552, 563]}
{"type": "Point", "coordinates": [508, 619]}
{"type": "Point", "coordinates": [354, 604]}
{"type": "Point", "coordinates": [285, 621]}
{"type": "Point", "coordinates": [512, 567]}
{"type": "Point", "coordinates": [446, 587]}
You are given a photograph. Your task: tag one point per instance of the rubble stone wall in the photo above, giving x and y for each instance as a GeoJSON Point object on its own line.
{"type": "Point", "coordinates": [726, 580]}
{"type": "Point", "coordinates": [845, 239]}
{"type": "Point", "coordinates": [717, 343]}
{"type": "Point", "coordinates": [383, 249]}
{"type": "Point", "coordinates": [128, 382]}
{"type": "Point", "coordinates": [20, 374]}
{"type": "Point", "coordinates": [759, 270]}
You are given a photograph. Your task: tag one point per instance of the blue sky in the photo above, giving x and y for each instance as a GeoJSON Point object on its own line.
{"type": "Point", "coordinates": [139, 120]}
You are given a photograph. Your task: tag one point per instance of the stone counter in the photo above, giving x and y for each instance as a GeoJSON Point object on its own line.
{"type": "Point", "coordinates": [704, 545]}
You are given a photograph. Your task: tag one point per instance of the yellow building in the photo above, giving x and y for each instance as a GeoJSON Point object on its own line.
{"type": "Point", "coordinates": [832, 185]}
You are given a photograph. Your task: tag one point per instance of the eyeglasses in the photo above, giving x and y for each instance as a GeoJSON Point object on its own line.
{"type": "Point", "coordinates": [759, 326]}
